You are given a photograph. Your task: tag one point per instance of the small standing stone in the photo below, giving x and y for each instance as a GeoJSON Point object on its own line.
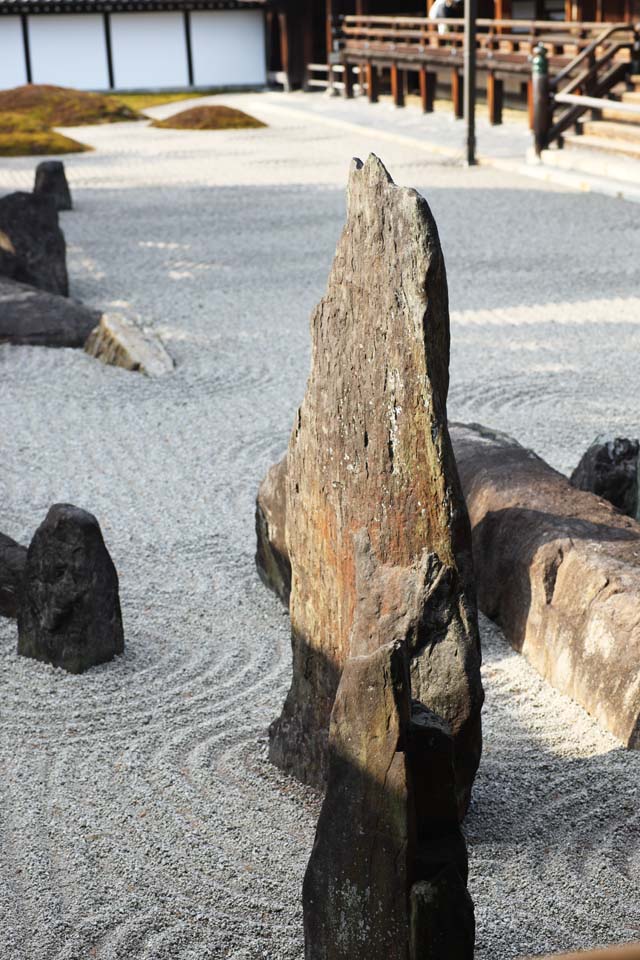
{"type": "Point", "coordinates": [70, 609]}
{"type": "Point", "coordinates": [118, 342]}
{"type": "Point", "coordinates": [33, 245]}
{"type": "Point", "coordinates": [52, 181]}
{"type": "Point", "coordinates": [609, 469]}
{"type": "Point", "coordinates": [13, 557]}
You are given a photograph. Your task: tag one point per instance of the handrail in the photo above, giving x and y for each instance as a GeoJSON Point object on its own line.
{"type": "Point", "coordinates": [614, 28]}
{"type": "Point", "coordinates": [597, 103]}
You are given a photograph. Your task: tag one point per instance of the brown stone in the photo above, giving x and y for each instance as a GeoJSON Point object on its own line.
{"type": "Point", "coordinates": [388, 832]}
{"type": "Point", "coordinates": [272, 559]}
{"type": "Point", "coordinates": [374, 508]}
{"type": "Point", "coordinates": [559, 570]}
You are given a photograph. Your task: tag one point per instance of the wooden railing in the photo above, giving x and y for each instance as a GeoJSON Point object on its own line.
{"type": "Point", "coordinates": [504, 49]}
{"type": "Point", "coordinates": [584, 84]}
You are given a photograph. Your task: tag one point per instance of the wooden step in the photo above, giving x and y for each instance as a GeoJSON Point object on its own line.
{"type": "Point", "coordinates": [631, 96]}
{"type": "Point", "coordinates": [612, 130]}
{"type": "Point", "coordinates": [608, 145]}
{"type": "Point", "coordinates": [619, 116]}
{"type": "Point", "coordinates": [593, 163]}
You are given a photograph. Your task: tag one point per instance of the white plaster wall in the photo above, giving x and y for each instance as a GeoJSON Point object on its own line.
{"type": "Point", "coordinates": [13, 70]}
{"type": "Point", "coordinates": [228, 47]}
{"type": "Point", "coordinates": [149, 50]}
{"type": "Point", "coordinates": [69, 50]}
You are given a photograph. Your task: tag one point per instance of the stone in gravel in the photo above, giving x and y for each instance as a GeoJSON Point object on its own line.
{"type": "Point", "coordinates": [31, 316]}
{"type": "Point", "coordinates": [38, 250]}
{"type": "Point", "coordinates": [13, 557]}
{"type": "Point", "coordinates": [384, 867]}
{"type": "Point", "coordinates": [610, 470]}
{"type": "Point", "coordinates": [559, 570]}
{"type": "Point", "coordinates": [69, 613]}
{"type": "Point", "coordinates": [119, 342]}
{"type": "Point", "coordinates": [374, 505]}
{"type": "Point", "coordinates": [272, 559]}
{"type": "Point", "coordinates": [51, 181]}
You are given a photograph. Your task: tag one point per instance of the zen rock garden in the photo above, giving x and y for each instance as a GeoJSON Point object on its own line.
{"type": "Point", "coordinates": [370, 530]}
{"type": "Point", "coordinates": [384, 530]}
{"type": "Point", "coordinates": [35, 308]}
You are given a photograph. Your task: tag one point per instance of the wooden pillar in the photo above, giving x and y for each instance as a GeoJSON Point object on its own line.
{"type": "Point", "coordinates": [427, 89]}
{"type": "Point", "coordinates": [372, 82]}
{"type": "Point", "coordinates": [494, 98]}
{"type": "Point", "coordinates": [456, 93]}
{"type": "Point", "coordinates": [397, 86]}
{"type": "Point", "coordinates": [348, 81]}
{"type": "Point", "coordinates": [284, 47]}
{"type": "Point", "coordinates": [530, 103]}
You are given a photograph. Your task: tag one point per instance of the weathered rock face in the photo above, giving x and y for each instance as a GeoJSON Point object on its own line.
{"type": "Point", "coordinates": [387, 874]}
{"type": "Point", "coordinates": [559, 570]}
{"type": "Point", "coordinates": [120, 343]}
{"type": "Point", "coordinates": [13, 557]}
{"type": "Point", "coordinates": [29, 223]}
{"type": "Point", "coordinates": [51, 181]}
{"type": "Point", "coordinates": [70, 609]}
{"type": "Point", "coordinates": [30, 316]}
{"type": "Point", "coordinates": [610, 470]}
{"type": "Point", "coordinates": [374, 508]}
{"type": "Point", "coordinates": [272, 559]}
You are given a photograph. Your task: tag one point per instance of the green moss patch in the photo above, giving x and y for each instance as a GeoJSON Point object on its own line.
{"type": "Point", "coordinates": [21, 135]}
{"type": "Point", "coordinates": [62, 107]}
{"type": "Point", "coordinates": [141, 101]}
{"type": "Point", "coordinates": [209, 118]}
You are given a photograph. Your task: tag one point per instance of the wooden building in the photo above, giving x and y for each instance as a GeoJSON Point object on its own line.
{"type": "Point", "coordinates": [133, 44]}
{"type": "Point", "coordinates": [300, 31]}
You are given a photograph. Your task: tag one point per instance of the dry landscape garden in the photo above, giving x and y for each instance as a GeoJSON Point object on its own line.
{"type": "Point", "coordinates": [319, 540]}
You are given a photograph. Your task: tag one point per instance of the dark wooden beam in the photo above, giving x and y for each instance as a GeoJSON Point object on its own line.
{"type": "Point", "coordinates": [373, 86]}
{"type": "Point", "coordinates": [456, 93]}
{"type": "Point", "coordinates": [495, 98]}
{"type": "Point", "coordinates": [428, 81]}
{"type": "Point", "coordinates": [397, 85]}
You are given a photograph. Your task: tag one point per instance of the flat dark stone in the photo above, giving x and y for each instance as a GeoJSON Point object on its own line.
{"type": "Point", "coordinates": [30, 316]}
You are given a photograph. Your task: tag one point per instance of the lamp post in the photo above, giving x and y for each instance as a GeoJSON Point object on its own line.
{"type": "Point", "coordinates": [469, 93]}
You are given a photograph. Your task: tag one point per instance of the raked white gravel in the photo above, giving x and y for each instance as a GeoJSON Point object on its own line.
{"type": "Point", "coordinates": [139, 816]}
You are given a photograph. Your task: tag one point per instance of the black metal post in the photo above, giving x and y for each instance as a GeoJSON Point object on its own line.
{"type": "Point", "coordinates": [541, 101]}
{"type": "Point", "coordinates": [107, 42]}
{"type": "Point", "coordinates": [469, 97]}
{"type": "Point", "coordinates": [187, 40]}
{"type": "Point", "coordinates": [27, 50]}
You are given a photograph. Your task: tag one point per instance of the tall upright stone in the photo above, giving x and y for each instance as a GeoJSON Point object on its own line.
{"type": "Point", "coordinates": [377, 532]}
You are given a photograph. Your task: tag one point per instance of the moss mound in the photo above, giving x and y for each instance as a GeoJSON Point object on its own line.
{"type": "Point", "coordinates": [209, 118]}
{"type": "Point", "coordinates": [46, 143]}
{"type": "Point", "coordinates": [62, 107]}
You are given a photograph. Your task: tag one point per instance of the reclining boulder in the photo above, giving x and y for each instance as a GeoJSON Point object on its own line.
{"type": "Point", "coordinates": [33, 248]}
{"type": "Point", "coordinates": [559, 570]}
{"type": "Point", "coordinates": [373, 503]}
{"type": "Point", "coordinates": [69, 612]}
{"type": "Point", "coordinates": [31, 316]}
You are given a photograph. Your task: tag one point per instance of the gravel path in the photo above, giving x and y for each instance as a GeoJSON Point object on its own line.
{"type": "Point", "coordinates": [139, 816]}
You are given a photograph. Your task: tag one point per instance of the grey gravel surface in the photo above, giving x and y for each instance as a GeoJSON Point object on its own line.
{"type": "Point", "coordinates": [138, 812]}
